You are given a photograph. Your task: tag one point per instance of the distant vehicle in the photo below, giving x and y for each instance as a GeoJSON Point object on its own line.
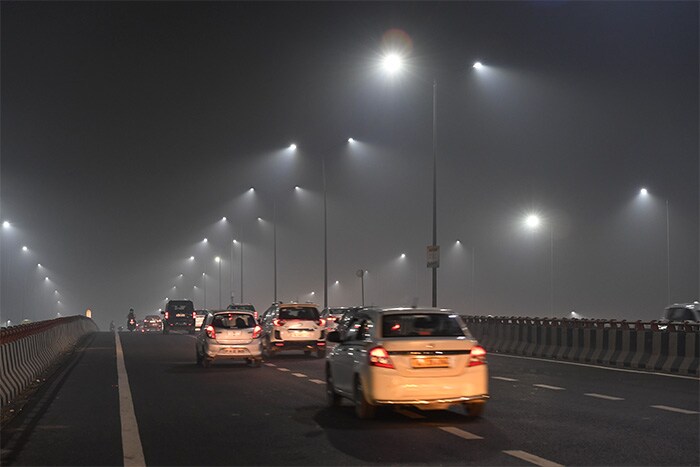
{"type": "Point", "coordinates": [680, 312]}
{"type": "Point", "coordinates": [243, 306]}
{"type": "Point", "coordinates": [334, 314]}
{"type": "Point", "coordinates": [131, 325]}
{"type": "Point", "coordinates": [199, 318]}
{"type": "Point", "coordinates": [152, 323]}
{"type": "Point", "coordinates": [342, 324]}
{"type": "Point", "coordinates": [232, 335]}
{"type": "Point", "coordinates": [179, 315]}
{"type": "Point", "coordinates": [293, 326]}
{"type": "Point", "coordinates": [405, 356]}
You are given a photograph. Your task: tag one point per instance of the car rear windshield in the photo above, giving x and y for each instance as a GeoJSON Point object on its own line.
{"type": "Point", "coordinates": [241, 307]}
{"type": "Point", "coordinates": [307, 313]}
{"type": "Point", "coordinates": [234, 321]}
{"type": "Point", "coordinates": [417, 325]}
{"type": "Point", "coordinates": [680, 314]}
{"type": "Point", "coordinates": [180, 306]}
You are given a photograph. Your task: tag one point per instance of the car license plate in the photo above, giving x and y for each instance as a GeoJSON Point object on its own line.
{"type": "Point", "coordinates": [180, 315]}
{"type": "Point", "coordinates": [234, 351]}
{"type": "Point", "coordinates": [298, 333]}
{"type": "Point", "coordinates": [430, 362]}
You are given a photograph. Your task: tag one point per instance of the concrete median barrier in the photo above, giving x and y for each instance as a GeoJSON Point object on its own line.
{"type": "Point", "coordinates": [654, 346]}
{"type": "Point", "coordinates": [27, 350]}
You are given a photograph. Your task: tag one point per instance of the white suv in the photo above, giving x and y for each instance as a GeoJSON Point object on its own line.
{"type": "Point", "coordinates": [405, 356]}
{"type": "Point", "coordinates": [293, 326]}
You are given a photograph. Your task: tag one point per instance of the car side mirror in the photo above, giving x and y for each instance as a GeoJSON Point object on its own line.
{"type": "Point", "coordinates": [333, 336]}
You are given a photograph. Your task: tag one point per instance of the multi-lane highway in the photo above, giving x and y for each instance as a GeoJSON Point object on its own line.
{"type": "Point", "coordinates": [173, 412]}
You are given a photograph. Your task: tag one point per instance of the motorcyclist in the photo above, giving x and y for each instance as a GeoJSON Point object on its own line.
{"type": "Point", "coordinates": [131, 320]}
{"type": "Point", "coordinates": [111, 326]}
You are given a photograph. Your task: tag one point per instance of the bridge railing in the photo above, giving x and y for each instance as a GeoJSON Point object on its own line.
{"type": "Point", "coordinates": [654, 345]}
{"type": "Point", "coordinates": [29, 349]}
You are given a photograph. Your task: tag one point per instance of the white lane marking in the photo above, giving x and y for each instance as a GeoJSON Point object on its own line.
{"type": "Point", "coordinates": [461, 433]}
{"type": "Point", "coordinates": [533, 459]}
{"type": "Point", "coordinates": [408, 413]}
{"type": "Point", "coordinates": [603, 396]}
{"type": "Point", "coordinates": [503, 378]}
{"type": "Point", "coordinates": [675, 409]}
{"type": "Point", "coordinates": [299, 375]}
{"type": "Point", "coordinates": [132, 450]}
{"type": "Point", "coordinates": [600, 367]}
{"type": "Point", "coordinates": [317, 381]}
{"type": "Point", "coordinates": [547, 386]}
{"type": "Point", "coordinates": [270, 364]}
{"type": "Point", "coordinates": [283, 369]}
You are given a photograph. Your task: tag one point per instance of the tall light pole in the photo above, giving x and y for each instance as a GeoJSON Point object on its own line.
{"type": "Point", "coordinates": [392, 64]}
{"type": "Point", "coordinates": [361, 274]}
{"type": "Point", "coordinates": [218, 260]}
{"type": "Point", "coordinates": [204, 288]}
{"type": "Point", "coordinates": [644, 193]}
{"type": "Point", "coordinates": [233, 242]}
{"type": "Point", "coordinates": [533, 222]}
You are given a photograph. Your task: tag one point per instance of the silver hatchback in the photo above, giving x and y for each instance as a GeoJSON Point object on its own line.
{"type": "Point", "coordinates": [229, 335]}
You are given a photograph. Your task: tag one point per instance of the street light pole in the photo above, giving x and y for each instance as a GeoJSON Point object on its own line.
{"type": "Point", "coordinates": [668, 257]}
{"type": "Point", "coordinates": [218, 260]}
{"type": "Point", "coordinates": [325, 234]}
{"type": "Point", "coordinates": [274, 248]}
{"type": "Point", "coordinates": [435, 266]}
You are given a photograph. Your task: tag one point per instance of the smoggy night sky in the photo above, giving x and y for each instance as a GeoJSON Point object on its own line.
{"type": "Point", "coordinates": [129, 129]}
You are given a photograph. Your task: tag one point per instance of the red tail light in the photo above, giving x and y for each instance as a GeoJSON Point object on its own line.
{"type": "Point", "coordinates": [211, 333]}
{"type": "Point", "coordinates": [321, 322]}
{"type": "Point", "coordinates": [278, 322]}
{"type": "Point", "coordinates": [167, 315]}
{"type": "Point", "coordinates": [194, 315]}
{"type": "Point", "coordinates": [477, 356]}
{"type": "Point", "coordinates": [378, 356]}
{"type": "Point", "coordinates": [257, 331]}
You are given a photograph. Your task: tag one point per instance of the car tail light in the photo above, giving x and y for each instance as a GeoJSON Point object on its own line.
{"type": "Point", "coordinates": [211, 332]}
{"type": "Point", "coordinates": [321, 322]}
{"type": "Point", "coordinates": [257, 331]}
{"type": "Point", "coordinates": [167, 315]}
{"type": "Point", "coordinates": [477, 356]}
{"type": "Point", "coordinates": [278, 322]}
{"type": "Point", "coordinates": [378, 356]}
{"type": "Point", "coordinates": [194, 315]}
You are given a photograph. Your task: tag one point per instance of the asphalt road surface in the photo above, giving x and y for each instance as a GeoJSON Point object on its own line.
{"type": "Point", "coordinates": [541, 413]}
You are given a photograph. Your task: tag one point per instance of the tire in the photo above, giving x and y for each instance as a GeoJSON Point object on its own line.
{"type": "Point", "coordinates": [320, 353]}
{"type": "Point", "coordinates": [474, 409]}
{"type": "Point", "coordinates": [307, 353]}
{"type": "Point", "coordinates": [255, 362]}
{"type": "Point", "coordinates": [199, 358]}
{"type": "Point", "coordinates": [206, 362]}
{"type": "Point", "coordinates": [332, 398]}
{"type": "Point", "coordinates": [165, 330]}
{"type": "Point", "coordinates": [363, 409]}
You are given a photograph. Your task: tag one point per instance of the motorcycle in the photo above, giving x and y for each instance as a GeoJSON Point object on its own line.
{"type": "Point", "coordinates": [132, 324]}
{"type": "Point", "coordinates": [111, 326]}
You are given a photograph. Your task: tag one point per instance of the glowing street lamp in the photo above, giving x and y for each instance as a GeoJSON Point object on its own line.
{"type": "Point", "coordinates": [644, 193]}
{"type": "Point", "coordinates": [533, 222]}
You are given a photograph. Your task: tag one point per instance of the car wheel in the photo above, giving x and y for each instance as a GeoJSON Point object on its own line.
{"type": "Point", "coordinates": [474, 409]}
{"type": "Point", "coordinates": [199, 358]}
{"type": "Point", "coordinates": [332, 397]}
{"type": "Point", "coordinates": [165, 330]}
{"type": "Point", "coordinates": [321, 353]}
{"type": "Point", "coordinates": [255, 362]}
{"type": "Point", "coordinates": [307, 353]}
{"type": "Point", "coordinates": [206, 362]}
{"type": "Point", "coordinates": [363, 409]}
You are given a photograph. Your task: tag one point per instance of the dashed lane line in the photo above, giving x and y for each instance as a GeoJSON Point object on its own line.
{"type": "Point", "coordinates": [603, 396]}
{"type": "Point", "coordinates": [270, 364]}
{"type": "Point", "coordinates": [461, 433]}
{"type": "Point", "coordinates": [132, 450]}
{"type": "Point", "coordinates": [503, 378]}
{"type": "Point", "coordinates": [533, 459]}
{"type": "Point", "coordinates": [547, 386]}
{"type": "Point", "coordinates": [283, 369]}
{"type": "Point", "coordinates": [675, 409]}
{"type": "Point", "coordinates": [299, 375]}
{"type": "Point", "coordinates": [317, 381]}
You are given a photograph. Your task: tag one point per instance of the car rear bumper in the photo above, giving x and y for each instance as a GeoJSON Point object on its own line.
{"type": "Point", "coordinates": [296, 345]}
{"type": "Point", "coordinates": [233, 351]}
{"type": "Point", "coordinates": [386, 386]}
